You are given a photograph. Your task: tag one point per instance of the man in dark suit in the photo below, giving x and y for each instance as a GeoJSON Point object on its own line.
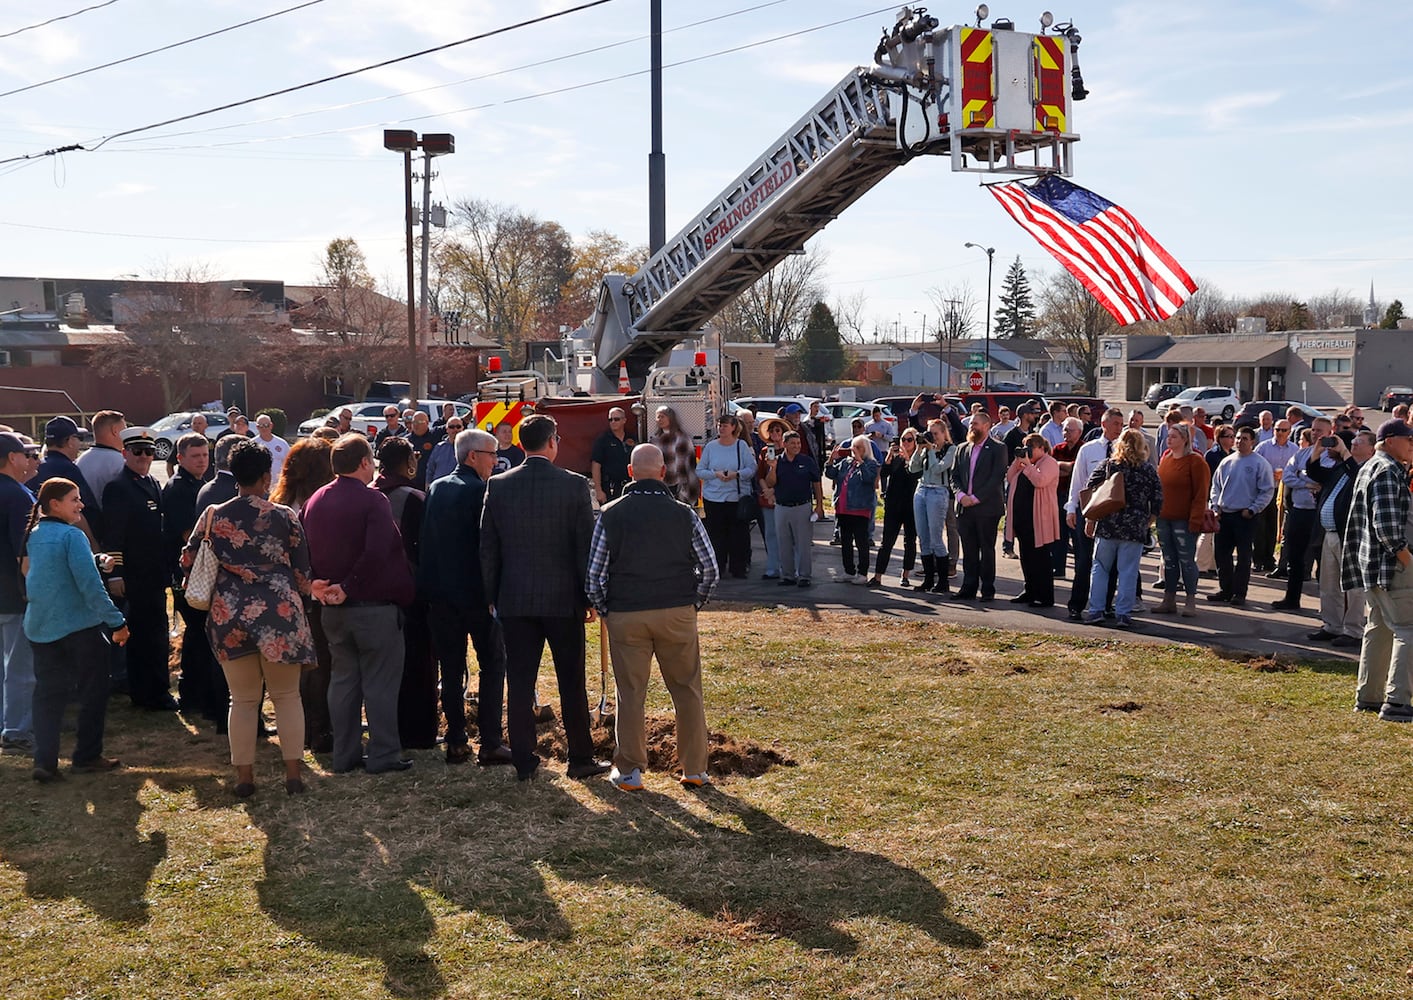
{"type": "Point", "coordinates": [449, 578]}
{"type": "Point", "coordinates": [978, 479]}
{"type": "Point", "coordinates": [535, 531]}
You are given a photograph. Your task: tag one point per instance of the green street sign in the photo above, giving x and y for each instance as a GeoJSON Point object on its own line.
{"type": "Point", "coordinates": [976, 362]}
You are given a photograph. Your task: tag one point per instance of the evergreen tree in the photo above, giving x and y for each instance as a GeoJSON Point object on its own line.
{"type": "Point", "coordinates": [819, 355]}
{"type": "Point", "coordinates": [1015, 312]}
{"type": "Point", "coordinates": [1392, 315]}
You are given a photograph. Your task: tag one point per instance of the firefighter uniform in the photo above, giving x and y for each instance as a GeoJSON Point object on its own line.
{"type": "Point", "coordinates": [132, 531]}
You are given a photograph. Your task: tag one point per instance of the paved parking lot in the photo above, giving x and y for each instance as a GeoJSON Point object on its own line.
{"type": "Point", "coordinates": [1254, 629]}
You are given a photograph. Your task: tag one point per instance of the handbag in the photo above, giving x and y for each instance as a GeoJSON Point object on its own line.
{"type": "Point", "coordinates": [1210, 522]}
{"type": "Point", "coordinates": [747, 509]}
{"type": "Point", "coordinates": [1107, 499]}
{"type": "Point", "coordinates": [201, 578]}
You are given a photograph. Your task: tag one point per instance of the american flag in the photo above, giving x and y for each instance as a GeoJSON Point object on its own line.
{"type": "Point", "coordinates": [1102, 245]}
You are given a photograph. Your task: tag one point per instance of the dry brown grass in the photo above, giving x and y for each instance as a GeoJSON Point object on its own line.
{"type": "Point", "coordinates": [974, 813]}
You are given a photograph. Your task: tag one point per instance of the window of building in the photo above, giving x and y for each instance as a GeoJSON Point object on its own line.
{"type": "Point", "coordinates": [1106, 371]}
{"type": "Point", "coordinates": [1332, 366]}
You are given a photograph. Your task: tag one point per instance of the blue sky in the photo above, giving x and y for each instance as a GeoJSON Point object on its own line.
{"type": "Point", "coordinates": [1264, 144]}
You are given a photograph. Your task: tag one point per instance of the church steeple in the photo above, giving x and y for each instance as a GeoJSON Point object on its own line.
{"type": "Point", "coordinates": [1371, 311]}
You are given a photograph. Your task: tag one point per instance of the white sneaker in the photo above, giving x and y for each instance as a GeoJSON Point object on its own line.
{"type": "Point", "coordinates": [695, 780]}
{"type": "Point", "coordinates": [630, 782]}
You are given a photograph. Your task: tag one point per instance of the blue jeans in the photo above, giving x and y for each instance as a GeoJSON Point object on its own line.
{"type": "Point", "coordinates": [17, 692]}
{"type": "Point", "coordinates": [930, 516]}
{"type": "Point", "coordinates": [772, 544]}
{"type": "Point", "coordinates": [1112, 556]}
{"type": "Point", "coordinates": [1179, 547]}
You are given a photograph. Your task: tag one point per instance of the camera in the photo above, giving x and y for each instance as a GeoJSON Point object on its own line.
{"type": "Point", "coordinates": [925, 437]}
{"type": "Point", "coordinates": [770, 453]}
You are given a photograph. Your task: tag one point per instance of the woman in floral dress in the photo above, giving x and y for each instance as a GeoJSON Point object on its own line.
{"type": "Point", "coordinates": [257, 625]}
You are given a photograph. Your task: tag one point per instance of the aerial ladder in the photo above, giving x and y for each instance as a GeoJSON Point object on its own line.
{"type": "Point", "coordinates": [993, 99]}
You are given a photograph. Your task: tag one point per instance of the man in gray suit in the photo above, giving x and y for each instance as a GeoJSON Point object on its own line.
{"type": "Point", "coordinates": [978, 480]}
{"type": "Point", "coordinates": [535, 531]}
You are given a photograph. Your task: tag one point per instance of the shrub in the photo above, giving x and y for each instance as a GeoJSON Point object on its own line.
{"type": "Point", "coordinates": [277, 417]}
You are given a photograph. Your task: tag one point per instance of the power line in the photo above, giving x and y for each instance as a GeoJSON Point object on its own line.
{"type": "Point", "coordinates": [74, 147]}
{"type": "Point", "coordinates": [183, 239]}
{"type": "Point", "coordinates": [61, 17]}
{"type": "Point", "coordinates": [164, 48]}
{"type": "Point", "coordinates": [513, 100]}
{"type": "Point", "coordinates": [470, 79]}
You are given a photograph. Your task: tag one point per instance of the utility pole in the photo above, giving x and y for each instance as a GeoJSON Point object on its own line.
{"type": "Point", "coordinates": [421, 387]}
{"type": "Point", "coordinates": [657, 162]}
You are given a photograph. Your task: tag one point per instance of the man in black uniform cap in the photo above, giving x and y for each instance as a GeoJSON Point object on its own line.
{"type": "Point", "coordinates": [132, 531]}
{"type": "Point", "coordinates": [178, 520]}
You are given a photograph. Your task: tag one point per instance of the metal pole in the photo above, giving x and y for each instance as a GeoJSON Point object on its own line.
{"type": "Point", "coordinates": [657, 162]}
{"type": "Point", "coordinates": [416, 357]}
{"type": "Point", "coordinates": [990, 254]}
{"type": "Point", "coordinates": [426, 240]}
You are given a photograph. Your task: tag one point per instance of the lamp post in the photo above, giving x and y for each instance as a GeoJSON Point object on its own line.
{"type": "Point", "coordinates": [432, 144]}
{"type": "Point", "coordinates": [990, 254]}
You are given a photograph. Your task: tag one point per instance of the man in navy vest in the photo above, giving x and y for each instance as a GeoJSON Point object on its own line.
{"type": "Point", "coordinates": [648, 596]}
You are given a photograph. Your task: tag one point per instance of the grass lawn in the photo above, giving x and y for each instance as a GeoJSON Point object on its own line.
{"type": "Point", "coordinates": [974, 813]}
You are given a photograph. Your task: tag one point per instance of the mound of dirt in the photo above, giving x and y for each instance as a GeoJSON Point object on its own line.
{"type": "Point", "coordinates": [1123, 706]}
{"type": "Point", "coordinates": [726, 755]}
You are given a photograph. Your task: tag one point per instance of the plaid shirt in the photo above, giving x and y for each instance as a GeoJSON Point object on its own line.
{"type": "Point", "coordinates": [1374, 533]}
{"type": "Point", "coordinates": [680, 459]}
{"type": "Point", "coordinates": [597, 585]}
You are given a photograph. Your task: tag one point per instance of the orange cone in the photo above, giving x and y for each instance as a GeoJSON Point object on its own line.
{"type": "Point", "coordinates": [623, 387]}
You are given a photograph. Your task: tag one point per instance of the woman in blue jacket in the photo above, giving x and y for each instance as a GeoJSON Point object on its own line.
{"type": "Point", "coordinates": [66, 621]}
{"type": "Point", "coordinates": [855, 474]}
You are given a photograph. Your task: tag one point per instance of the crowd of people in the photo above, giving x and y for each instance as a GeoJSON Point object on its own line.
{"type": "Point", "coordinates": [354, 569]}
{"type": "Point", "coordinates": [345, 591]}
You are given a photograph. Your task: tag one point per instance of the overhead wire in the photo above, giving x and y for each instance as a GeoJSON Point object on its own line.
{"type": "Point", "coordinates": [315, 83]}
{"type": "Point", "coordinates": [514, 100]}
{"type": "Point", "coordinates": [185, 239]}
{"type": "Point", "coordinates": [162, 48]}
{"type": "Point", "coordinates": [61, 17]}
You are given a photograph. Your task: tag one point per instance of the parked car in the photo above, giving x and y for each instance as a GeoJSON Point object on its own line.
{"type": "Point", "coordinates": [170, 428]}
{"type": "Point", "coordinates": [1250, 414]}
{"type": "Point", "coordinates": [1217, 400]}
{"type": "Point", "coordinates": [993, 401]}
{"type": "Point", "coordinates": [1393, 395]}
{"type": "Point", "coordinates": [370, 413]}
{"type": "Point", "coordinates": [1159, 391]}
{"type": "Point", "coordinates": [843, 415]}
{"type": "Point", "coordinates": [1096, 404]}
{"type": "Point", "coordinates": [773, 404]}
{"type": "Point", "coordinates": [1005, 387]}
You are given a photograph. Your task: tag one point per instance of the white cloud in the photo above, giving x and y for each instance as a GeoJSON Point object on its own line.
{"type": "Point", "coordinates": [1227, 109]}
{"type": "Point", "coordinates": [127, 189]}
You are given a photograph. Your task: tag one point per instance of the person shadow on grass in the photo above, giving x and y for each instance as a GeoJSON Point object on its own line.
{"type": "Point", "coordinates": [767, 879]}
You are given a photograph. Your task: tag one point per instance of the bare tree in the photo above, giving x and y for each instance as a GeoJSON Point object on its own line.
{"type": "Point", "coordinates": [956, 313]}
{"type": "Point", "coordinates": [187, 326]}
{"type": "Point", "coordinates": [1206, 310]}
{"type": "Point", "coordinates": [597, 254]}
{"type": "Point", "coordinates": [775, 309]}
{"type": "Point", "coordinates": [506, 267]}
{"type": "Point", "coordinates": [1073, 319]}
{"type": "Point", "coordinates": [849, 316]}
{"type": "Point", "coordinates": [1336, 308]}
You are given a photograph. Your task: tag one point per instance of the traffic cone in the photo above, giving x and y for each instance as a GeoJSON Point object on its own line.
{"type": "Point", "coordinates": [623, 387]}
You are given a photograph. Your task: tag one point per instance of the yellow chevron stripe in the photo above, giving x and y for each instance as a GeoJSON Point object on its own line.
{"type": "Point", "coordinates": [489, 415]}
{"type": "Point", "coordinates": [1049, 111]}
{"type": "Point", "coordinates": [1047, 56]}
{"type": "Point", "coordinates": [982, 52]}
{"type": "Point", "coordinates": [975, 108]}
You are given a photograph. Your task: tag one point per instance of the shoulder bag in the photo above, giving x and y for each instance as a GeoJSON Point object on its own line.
{"type": "Point", "coordinates": [1108, 498]}
{"type": "Point", "coordinates": [201, 579]}
{"type": "Point", "coordinates": [747, 509]}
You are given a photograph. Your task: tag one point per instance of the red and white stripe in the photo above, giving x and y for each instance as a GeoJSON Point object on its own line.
{"type": "Point", "coordinates": [1112, 255]}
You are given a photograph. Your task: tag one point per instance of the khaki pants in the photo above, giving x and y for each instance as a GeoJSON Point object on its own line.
{"type": "Point", "coordinates": [244, 676]}
{"type": "Point", "coordinates": [1341, 611]}
{"type": "Point", "coordinates": [1386, 657]}
{"type": "Point", "coordinates": [671, 634]}
{"type": "Point", "coordinates": [1206, 553]}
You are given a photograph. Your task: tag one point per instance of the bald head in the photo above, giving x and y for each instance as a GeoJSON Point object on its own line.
{"type": "Point", "coordinates": [646, 463]}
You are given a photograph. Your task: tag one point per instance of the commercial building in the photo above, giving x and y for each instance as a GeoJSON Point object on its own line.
{"type": "Point", "coordinates": [1320, 367]}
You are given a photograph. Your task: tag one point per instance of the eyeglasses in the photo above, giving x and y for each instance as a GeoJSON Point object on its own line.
{"type": "Point", "coordinates": [143, 450]}
{"type": "Point", "coordinates": [1282, 430]}
{"type": "Point", "coordinates": [478, 451]}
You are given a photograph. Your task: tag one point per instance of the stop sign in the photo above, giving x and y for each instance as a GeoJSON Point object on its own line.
{"type": "Point", "coordinates": [975, 382]}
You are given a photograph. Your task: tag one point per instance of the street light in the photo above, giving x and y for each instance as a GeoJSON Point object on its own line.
{"type": "Point", "coordinates": [990, 253]}
{"type": "Point", "coordinates": [432, 144]}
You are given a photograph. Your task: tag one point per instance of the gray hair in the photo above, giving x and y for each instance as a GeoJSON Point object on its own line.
{"type": "Point", "coordinates": [473, 440]}
{"type": "Point", "coordinates": [224, 447]}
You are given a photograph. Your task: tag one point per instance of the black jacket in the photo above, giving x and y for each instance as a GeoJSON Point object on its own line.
{"type": "Point", "coordinates": [535, 531]}
{"type": "Point", "coordinates": [1330, 479]}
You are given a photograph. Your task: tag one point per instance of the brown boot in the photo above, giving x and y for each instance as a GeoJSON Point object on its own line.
{"type": "Point", "coordinates": [1189, 610]}
{"type": "Point", "coordinates": [1168, 605]}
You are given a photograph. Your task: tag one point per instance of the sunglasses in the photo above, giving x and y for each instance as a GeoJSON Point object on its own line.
{"type": "Point", "coordinates": [143, 449]}
{"type": "Point", "coordinates": [455, 427]}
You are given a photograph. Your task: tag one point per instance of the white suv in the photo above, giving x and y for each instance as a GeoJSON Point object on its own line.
{"type": "Point", "coordinates": [1217, 400]}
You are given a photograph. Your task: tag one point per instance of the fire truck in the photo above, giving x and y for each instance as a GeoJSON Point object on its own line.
{"type": "Point", "coordinates": [989, 98]}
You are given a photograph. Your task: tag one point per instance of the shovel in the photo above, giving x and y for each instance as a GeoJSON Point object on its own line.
{"type": "Point", "coordinates": [602, 716]}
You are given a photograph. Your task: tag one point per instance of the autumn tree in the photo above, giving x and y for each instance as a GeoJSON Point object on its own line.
{"type": "Point", "coordinates": [1072, 318]}
{"type": "Point", "coordinates": [777, 307]}
{"type": "Point", "coordinates": [505, 268]}
{"type": "Point", "coordinates": [185, 327]}
{"type": "Point", "coordinates": [359, 330]}
{"type": "Point", "coordinates": [1015, 309]}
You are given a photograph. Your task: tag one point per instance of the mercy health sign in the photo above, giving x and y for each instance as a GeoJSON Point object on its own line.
{"type": "Point", "coordinates": [753, 199]}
